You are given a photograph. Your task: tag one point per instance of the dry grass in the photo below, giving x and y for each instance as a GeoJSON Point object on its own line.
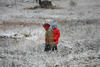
{"type": "Point", "coordinates": [19, 23]}
{"type": "Point", "coordinates": [31, 8]}
{"type": "Point", "coordinates": [56, 19]}
{"type": "Point", "coordinates": [56, 7]}
{"type": "Point", "coordinates": [37, 7]}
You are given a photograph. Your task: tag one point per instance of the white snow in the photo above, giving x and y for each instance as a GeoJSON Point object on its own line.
{"type": "Point", "coordinates": [79, 44]}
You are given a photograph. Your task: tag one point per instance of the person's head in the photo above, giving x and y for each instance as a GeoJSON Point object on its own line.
{"type": "Point", "coordinates": [46, 26]}
{"type": "Point", "coordinates": [53, 24]}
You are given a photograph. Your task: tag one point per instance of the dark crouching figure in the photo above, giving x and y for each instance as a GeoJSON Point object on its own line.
{"type": "Point", "coordinates": [45, 3]}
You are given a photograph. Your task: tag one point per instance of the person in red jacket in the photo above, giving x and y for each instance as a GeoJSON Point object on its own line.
{"type": "Point", "coordinates": [56, 35]}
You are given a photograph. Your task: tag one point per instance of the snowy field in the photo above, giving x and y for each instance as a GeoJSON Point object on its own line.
{"type": "Point", "coordinates": [22, 35]}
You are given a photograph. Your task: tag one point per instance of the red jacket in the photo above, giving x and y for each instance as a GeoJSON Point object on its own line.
{"type": "Point", "coordinates": [56, 35]}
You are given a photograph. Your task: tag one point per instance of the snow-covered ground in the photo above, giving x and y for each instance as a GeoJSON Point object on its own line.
{"type": "Point", "coordinates": [22, 45]}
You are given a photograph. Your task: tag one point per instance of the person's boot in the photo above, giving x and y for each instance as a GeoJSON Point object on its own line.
{"type": "Point", "coordinates": [54, 48]}
{"type": "Point", "coordinates": [49, 48]}
{"type": "Point", "coordinates": [46, 48]}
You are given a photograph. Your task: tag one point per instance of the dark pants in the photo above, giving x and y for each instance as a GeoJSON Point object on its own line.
{"type": "Point", "coordinates": [47, 47]}
{"type": "Point", "coordinates": [54, 47]}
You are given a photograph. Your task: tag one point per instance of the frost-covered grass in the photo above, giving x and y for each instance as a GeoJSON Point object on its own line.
{"type": "Point", "coordinates": [78, 46]}
{"type": "Point", "coordinates": [22, 44]}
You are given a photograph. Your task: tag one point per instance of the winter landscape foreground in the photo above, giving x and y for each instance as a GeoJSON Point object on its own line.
{"type": "Point", "coordinates": [22, 35]}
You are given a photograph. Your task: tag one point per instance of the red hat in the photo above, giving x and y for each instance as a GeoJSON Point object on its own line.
{"type": "Point", "coordinates": [46, 26]}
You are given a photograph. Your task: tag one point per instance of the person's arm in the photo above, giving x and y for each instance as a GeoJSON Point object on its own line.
{"type": "Point", "coordinates": [57, 33]}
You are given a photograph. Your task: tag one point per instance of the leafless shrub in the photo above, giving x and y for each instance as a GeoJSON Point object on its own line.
{"type": "Point", "coordinates": [72, 3]}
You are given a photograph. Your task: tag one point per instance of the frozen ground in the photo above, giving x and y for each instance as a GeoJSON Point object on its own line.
{"type": "Point", "coordinates": [22, 35]}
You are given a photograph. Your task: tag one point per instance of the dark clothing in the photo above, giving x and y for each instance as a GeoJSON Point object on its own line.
{"type": "Point", "coordinates": [54, 47]}
{"type": "Point", "coordinates": [47, 47]}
